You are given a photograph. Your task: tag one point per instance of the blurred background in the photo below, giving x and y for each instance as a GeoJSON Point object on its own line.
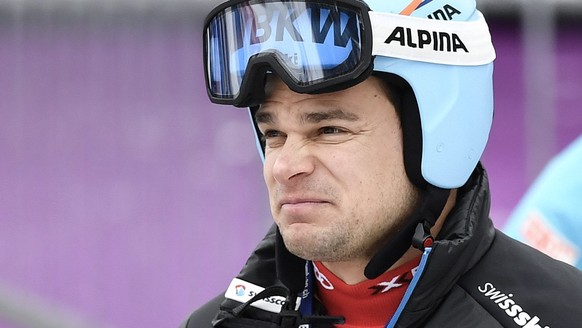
{"type": "Point", "coordinates": [127, 199]}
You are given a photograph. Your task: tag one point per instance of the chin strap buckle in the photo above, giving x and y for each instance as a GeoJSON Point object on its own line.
{"type": "Point", "coordinates": [422, 237]}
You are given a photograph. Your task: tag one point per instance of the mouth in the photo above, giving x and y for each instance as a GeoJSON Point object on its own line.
{"type": "Point", "coordinates": [302, 210]}
{"type": "Point", "coordinates": [301, 202]}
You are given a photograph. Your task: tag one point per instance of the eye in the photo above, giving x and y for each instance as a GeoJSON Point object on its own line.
{"type": "Point", "coordinates": [271, 138]}
{"type": "Point", "coordinates": [331, 130]}
{"type": "Point", "coordinates": [270, 134]}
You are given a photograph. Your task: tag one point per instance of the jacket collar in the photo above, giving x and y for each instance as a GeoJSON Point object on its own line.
{"type": "Point", "coordinates": [465, 236]}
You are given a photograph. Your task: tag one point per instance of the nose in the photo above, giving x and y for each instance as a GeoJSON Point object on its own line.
{"type": "Point", "coordinates": [292, 161]}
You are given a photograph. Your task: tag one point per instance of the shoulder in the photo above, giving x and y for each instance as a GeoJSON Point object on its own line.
{"type": "Point", "coordinates": [515, 283]}
{"type": "Point", "coordinates": [203, 316]}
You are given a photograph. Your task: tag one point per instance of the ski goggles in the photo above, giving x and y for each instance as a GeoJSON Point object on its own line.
{"type": "Point", "coordinates": [317, 46]}
{"type": "Point", "coordinates": [311, 45]}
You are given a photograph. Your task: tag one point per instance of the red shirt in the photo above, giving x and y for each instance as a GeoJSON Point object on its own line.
{"type": "Point", "coordinates": [370, 303]}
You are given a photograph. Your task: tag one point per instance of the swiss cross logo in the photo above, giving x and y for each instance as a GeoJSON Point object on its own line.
{"type": "Point", "coordinates": [398, 281]}
{"type": "Point", "coordinates": [385, 286]}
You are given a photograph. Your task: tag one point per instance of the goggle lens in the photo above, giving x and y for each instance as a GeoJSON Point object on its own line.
{"type": "Point", "coordinates": [309, 42]}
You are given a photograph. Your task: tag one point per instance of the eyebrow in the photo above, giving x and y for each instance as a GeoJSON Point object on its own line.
{"type": "Point", "coordinates": [263, 117]}
{"type": "Point", "coordinates": [313, 117]}
{"type": "Point", "coordinates": [336, 114]}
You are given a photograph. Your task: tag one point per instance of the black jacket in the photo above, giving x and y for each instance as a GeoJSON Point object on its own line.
{"type": "Point", "coordinates": [475, 277]}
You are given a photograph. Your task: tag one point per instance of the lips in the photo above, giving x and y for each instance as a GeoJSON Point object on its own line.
{"type": "Point", "coordinates": [292, 201]}
{"type": "Point", "coordinates": [301, 209]}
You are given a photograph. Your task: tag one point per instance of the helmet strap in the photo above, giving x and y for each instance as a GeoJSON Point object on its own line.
{"type": "Point", "coordinates": [416, 232]}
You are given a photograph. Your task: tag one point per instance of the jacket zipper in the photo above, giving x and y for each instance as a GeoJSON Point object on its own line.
{"type": "Point", "coordinates": [410, 289]}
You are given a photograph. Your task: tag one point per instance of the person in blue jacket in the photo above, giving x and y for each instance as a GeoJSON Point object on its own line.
{"type": "Point", "coordinates": [549, 216]}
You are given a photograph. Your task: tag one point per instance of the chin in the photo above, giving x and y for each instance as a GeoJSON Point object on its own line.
{"type": "Point", "coordinates": [298, 236]}
{"type": "Point", "coordinates": [305, 252]}
{"type": "Point", "coordinates": [300, 243]}
{"type": "Point", "coordinates": [310, 247]}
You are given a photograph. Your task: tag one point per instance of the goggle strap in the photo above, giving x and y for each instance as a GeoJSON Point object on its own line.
{"type": "Point", "coordinates": [432, 41]}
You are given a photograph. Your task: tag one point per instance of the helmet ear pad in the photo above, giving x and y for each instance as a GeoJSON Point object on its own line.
{"type": "Point", "coordinates": [407, 109]}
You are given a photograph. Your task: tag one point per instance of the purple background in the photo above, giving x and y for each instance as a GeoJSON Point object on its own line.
{"type": "Point", "coordinates": [128, 199]}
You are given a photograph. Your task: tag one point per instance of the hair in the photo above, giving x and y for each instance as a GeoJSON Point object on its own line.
{"type": "Point", "coordinates": [393, 90]}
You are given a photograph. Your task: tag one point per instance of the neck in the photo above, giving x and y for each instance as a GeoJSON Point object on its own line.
{"type": "Point", "coordinates": [352, 272]}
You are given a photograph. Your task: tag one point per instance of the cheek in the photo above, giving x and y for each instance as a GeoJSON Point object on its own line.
{"type": "Point", "coordinates": [268, 170]}
{"type": "Point", "coordinates": [379, 176]}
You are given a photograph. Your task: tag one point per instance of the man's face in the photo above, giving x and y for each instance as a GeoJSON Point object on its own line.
{"type": "Point", "coordinates": [334, 170]}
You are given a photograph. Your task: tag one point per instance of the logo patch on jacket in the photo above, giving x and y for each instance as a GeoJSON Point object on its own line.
{"type": "Point", "coordinates": [242, 291]}
{"type": "Point", "coordinates": [510, 306]}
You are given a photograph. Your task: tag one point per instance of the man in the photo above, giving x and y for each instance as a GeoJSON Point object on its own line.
{"type": "Point", "coordinates": [371, 119]}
